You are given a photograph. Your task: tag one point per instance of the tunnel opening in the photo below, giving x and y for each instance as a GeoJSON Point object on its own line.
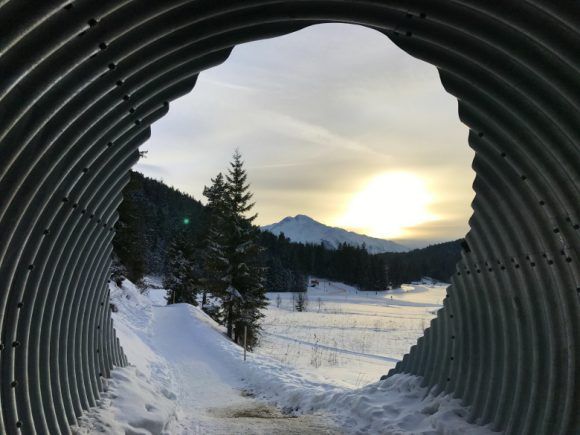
{"type": "Point", "coordinates": [314, 116]}
{"type": "Point", "coordinates": [327, 124]}
{"type": "Point", "coordinates": [513, 68]}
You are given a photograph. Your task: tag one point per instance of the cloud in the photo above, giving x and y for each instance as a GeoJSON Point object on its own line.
{"type": "Point", "coordinates": [154, 171]}
{"type": "Point", "coordinates": [316, 115]}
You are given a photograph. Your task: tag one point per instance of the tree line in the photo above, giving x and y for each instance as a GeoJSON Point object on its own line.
{"type": "Point", "coordinates": [290, 263]}
{"type": "Point", "coordinates": [215, 256]}
{"type": "Point", "coordinates": [153, 214]}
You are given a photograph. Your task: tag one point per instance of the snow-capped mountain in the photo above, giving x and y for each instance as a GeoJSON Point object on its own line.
{"type": "Point", "coordinates": [304, 229]}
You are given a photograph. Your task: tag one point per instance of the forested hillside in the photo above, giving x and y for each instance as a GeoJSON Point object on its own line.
{"type": "Point", "coordinates": [348, 264]}
{"type": "Point", "coordinates": [153, 215]}
{"type": "Point", "coordinates": [355, 266]}
{"type": "Point", "coordinates": [436, 261]}
{"type": "Point", "coordinates": [150, 216]}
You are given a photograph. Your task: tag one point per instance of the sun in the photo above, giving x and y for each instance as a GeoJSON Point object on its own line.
{"type": "Point", "coordinates": [389, 206]}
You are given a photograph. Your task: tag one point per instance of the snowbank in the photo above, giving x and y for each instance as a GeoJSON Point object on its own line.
{"type": "Point", "coordinates": [139, 399]}
{"type": "Point", "coordinates": [188, 378]}
{"type": "Point", "coordinates": [131, 405]}
{"type": "Point", "coordinates": [397, 405]}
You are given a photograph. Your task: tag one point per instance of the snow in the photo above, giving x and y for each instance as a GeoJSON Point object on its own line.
{"type": "Point", "coordinates": [139, 399]}
{"type": "Point", "coordinates": [304, 229]}
{"type": "Point", "coordinates": [348, 337]}
{"type": "Point", "coordinates": [186, 377]}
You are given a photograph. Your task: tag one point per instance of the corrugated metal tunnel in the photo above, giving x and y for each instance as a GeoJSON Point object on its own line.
{"type": "Point", "coordinates": [81, 82]}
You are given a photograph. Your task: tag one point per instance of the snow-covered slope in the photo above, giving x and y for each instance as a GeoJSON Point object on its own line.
{"type": "Point", "coordinates": [188, 378]}
{"type": "Point", "coordinates": [304, 229]}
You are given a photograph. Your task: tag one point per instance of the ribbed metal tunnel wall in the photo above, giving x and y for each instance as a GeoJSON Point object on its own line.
{"type": "Point", "coordinates": [81, 82]}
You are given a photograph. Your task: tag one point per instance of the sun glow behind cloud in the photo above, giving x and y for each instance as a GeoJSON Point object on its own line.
{"type": "Point", "coordinates": [317, 114]}
{"type": "Point", "coordinates": [389, 206]}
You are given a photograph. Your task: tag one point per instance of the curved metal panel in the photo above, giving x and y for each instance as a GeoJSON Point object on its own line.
{"type": "Point", "coordinates": [82, 81]}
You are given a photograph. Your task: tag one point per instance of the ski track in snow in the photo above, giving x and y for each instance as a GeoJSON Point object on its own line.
{"type": "Point", "coordinates": [336, 349]}
{"type": "Point", "coordinates": [187, 378]}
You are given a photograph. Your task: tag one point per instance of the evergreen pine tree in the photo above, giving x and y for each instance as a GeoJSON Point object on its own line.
{"type": "Point", "coordinates": [182, 270]}
{"type": "Point", "coordinates": [128, 242]}
{"type": "Point", "coordinates": [301, 301]}
{"type": "Point", "coordinates": [118, 270]}
{"type": "Point", "coordinates": [243, 253]}
{"type": "Point", "coordinates": [216, 278]}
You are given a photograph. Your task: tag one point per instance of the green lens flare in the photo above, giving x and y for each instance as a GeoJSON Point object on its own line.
{"type": "Point", "coordinates": [186, 221]}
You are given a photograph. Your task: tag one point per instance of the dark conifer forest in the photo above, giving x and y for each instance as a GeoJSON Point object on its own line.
{"type": "Point", "coordinates": [150, 217]}
{"type": "Point", "coordinates": [154, 215]}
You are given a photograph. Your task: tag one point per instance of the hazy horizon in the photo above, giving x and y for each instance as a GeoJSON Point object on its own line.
{"type": "Point", "coordinates": [334, 122]}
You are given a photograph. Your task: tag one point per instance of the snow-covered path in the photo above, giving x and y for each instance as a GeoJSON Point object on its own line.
{"type": "Point", "coordinates": [186, 378]}
{"type": "Point", "coordinates": [191, 361]}
{"type": "Point", "coordinates": [209, 386]}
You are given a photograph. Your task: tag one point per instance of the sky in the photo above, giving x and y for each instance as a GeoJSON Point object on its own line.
{"type": "Point", "coordinates": [333, 121]}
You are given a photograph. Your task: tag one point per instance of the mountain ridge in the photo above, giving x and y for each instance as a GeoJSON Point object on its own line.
{"type": "Point", "coordinates": [304, 229]}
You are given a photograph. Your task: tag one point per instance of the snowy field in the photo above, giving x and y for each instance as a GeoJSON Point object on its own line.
{"type": "Point", "coordinates": [348, 337]}
{"type": "Point", "coordinates": [186, 377]}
